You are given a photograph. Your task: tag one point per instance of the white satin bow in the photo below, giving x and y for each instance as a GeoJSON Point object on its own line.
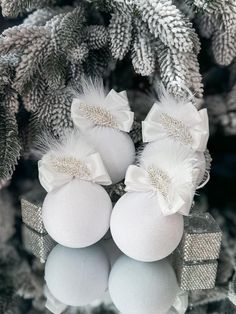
{"type": "Point", "coordinates": [138, 179]}
{"type": "Point", "coordinates": [51, 178]}
{"type": "Point", "coordinates": [115, 103]}
{"type": "Point", "coordinates": [197, 125]}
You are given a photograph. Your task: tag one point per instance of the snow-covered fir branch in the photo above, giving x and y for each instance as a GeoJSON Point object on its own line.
{"type": "Point", "coordinates": [45, 56]}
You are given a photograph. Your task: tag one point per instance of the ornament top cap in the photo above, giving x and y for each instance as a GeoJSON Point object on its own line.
{"type": "Point", "coordinates": [177, 119]}
{"type": "Point", "coordinates": [71, 158]}
{"type": "Point", "coordinates": [93, 107]}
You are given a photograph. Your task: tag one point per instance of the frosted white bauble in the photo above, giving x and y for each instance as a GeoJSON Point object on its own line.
{"type": "Point", "coordinates": [142, 288]}
{"type": "Point", "coordinates": [52, 304]}
{"type": "Point", "coordinates": [141, 231]}
{"type": "Point", "coordinates": [77, 277]}
{"type": "Point", "coordinates": [116, 149]}
{"type": "Point", "coordinates": [77, 214]}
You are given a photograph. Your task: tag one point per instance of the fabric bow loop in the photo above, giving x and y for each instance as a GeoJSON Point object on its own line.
{"type": "Point", "coordinates": [114, 112]}
{"type": "Point", "coordinates": [141, 180]}
{"type": "Point", "coordinates": [158, 125]}
{"type": "Point", "coordinates": [56, 171]}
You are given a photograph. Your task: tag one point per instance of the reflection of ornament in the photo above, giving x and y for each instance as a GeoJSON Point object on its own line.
{"type": "Point", "coordinates": [195, 275]}
{"type": "Point", "coordinates": [40, 245]}
{"type": "Point", "coordinates": [201, 239]}
{"type": "Point", "coordinates": [180, 304]}
{"type": "Point", "coordinates": [140, 288]}
{"type": "Point", "coordinates": [146, 223]}
{"type": "Point", "coordinates": [105, 120]}
{"type": "Point", "coordinates": [77, 277]}
{"type": "Point", "coordinates": [31, 210]}
{"type": "Point", "coordinates": [52, 304]}
{"type": "Point", "coordinates": [76, 211]}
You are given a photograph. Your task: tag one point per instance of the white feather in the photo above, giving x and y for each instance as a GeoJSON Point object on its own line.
{"type": "Point", "coordinates": [71, 143]}
{"type": "Point", "coordinates": [172, 106]}
{"type": "Point", "coordinates": [177, 119]}
{"type": "Point", "coordinates": [93, 106]}
{"type": "Point", "coordinates": [177, 161]}
{"type": "Point", "coordinates": [92, 91]}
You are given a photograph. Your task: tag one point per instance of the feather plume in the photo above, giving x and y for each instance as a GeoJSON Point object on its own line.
{"type": "Point", "coordinates": [93, 106]}
{"type": "Point", "coordinates": [71, 143]}
{"type": "Point", "coordinates": [91, 91]}
{"type": "Point", "coordinates": [176, 119]}
{"type": "Point", "coordinates": [173, 158]}
{"type": "Point", "coordinates": [177, 166]}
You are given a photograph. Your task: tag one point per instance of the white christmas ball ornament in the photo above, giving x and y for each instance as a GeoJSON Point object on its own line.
{"type": "Point", "coordinates": [105, 119]}
{"type": "Point", "coordinates": [77, 277]}
{"type": "Point", "coordinates": [140, 229]}
{"type": "Point", "coordinates": [142, 288]}
{"type": "Point", "coordinates": [116, 149]}
{"type": "Point", "coordinates": [183, 168]}
{"type": "Point", "coordinates": [77, 214]}
{"type": "Point", "coordinates": [178, 120]}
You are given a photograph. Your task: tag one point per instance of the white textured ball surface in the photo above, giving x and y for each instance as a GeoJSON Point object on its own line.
{"type": "Point", "coordinates": [141, 288]}
{"type": "Point", "coordinates": [77, 276]}
{"type": "Point", "coordinates": [77, 214]}
{"type": "Point", "coordinates": [116, 149]}
{"type": "Point", "coordinates": [141, 231]}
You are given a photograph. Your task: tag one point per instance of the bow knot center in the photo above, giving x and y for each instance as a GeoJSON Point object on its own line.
{"type": "Point", "coordinates": [176, 129]}
{"type": "Point", "coordinates": [98, 115]}
{"type": "Point", "coordinates": [160, 181]}
{"type": "Point", "coordinates": [71, 166]}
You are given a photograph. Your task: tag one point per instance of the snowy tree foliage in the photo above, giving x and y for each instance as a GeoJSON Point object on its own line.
{"type": "Point", "coordinates": [217, 20]}
{"type": "Point", "coordinates": [43, 58]}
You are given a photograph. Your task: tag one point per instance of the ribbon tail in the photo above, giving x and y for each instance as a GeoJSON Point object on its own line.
{"type": "Point", "coordinates": [119, 107]}
{"type": "Point", "coordinates": [124, 120]}
{"type": "Point", "coordinates": [123, 94]}
{"type": "Point", "coordinates": [151, 132]}
{"type": "Point", "coordinates": [97, 169]}
{"type": "Point", "coordinates": [178, 205]}
{"type": "Point", "coordinates": [201, 133]}
{"type": "Point", "coordinates": [117, 101]}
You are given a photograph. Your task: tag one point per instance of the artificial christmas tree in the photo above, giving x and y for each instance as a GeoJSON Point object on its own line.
{"type": "Point", "coordinates": [49, 50]}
